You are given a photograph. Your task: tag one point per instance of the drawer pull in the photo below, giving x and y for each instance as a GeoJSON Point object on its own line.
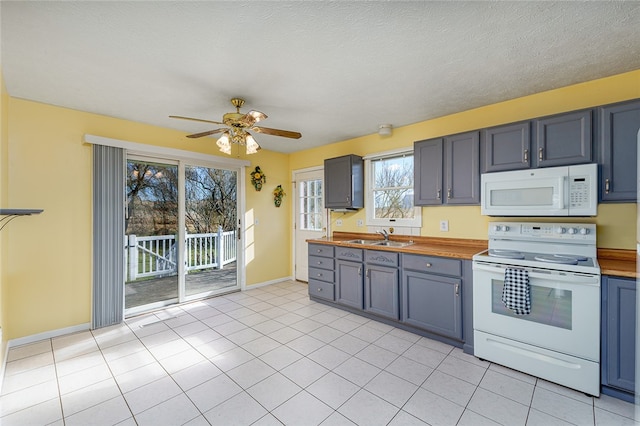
{"type": "Point", "coordinates": [319, 275]}
{"type": "Point", "coordinates": [429, 265]}
{"type": "Point", "coordinates": [319, 262]}
{"type": "Point", "coordinates": [319, 289]}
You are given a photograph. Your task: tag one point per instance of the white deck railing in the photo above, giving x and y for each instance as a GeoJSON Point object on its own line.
{"type": "Point", "coordinates": [155, 256]}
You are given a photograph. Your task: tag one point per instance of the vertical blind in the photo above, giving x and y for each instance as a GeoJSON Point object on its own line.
{"type": "Point", "coordinates": [108, 236]}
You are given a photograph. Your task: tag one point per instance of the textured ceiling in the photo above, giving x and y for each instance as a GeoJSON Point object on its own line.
{"type": "Point", "coordinates": [330, 70]}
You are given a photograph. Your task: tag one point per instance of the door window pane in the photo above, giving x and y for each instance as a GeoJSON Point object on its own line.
{"type": "Point", "coordinates": [310, 205]}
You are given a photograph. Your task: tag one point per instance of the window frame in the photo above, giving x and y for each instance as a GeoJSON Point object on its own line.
{"type": "Point", "coordinates": [371, 220]}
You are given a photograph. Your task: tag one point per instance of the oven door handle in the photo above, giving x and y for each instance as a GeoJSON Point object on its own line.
{"type": "Point", "coordinates": [571, 277]}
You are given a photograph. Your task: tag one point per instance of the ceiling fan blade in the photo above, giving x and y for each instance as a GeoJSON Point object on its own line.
{"type": "Point", "coordinates": [277, 132]}
{"type": "Point", "coordinates": [252, 117]}
{"type": "Point", "coordinates": [207, 133]}
{"type": "Point", "coordinates": [194, 119]}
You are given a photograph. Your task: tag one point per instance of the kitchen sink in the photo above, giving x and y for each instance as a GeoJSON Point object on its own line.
{"type": "Point", "coordinates": [393, 243]}
{"type": "Point", "coordinates": [385, 243]}
{"type": "Point", "coordinates": [364, 242]}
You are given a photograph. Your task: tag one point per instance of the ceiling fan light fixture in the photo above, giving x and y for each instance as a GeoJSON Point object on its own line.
{"type": "Point", "coordinates": [252, 145]}
{"type": "Point", "coordinates": [257, 115]}
{"type": "Point", "coordinates": [224, 144]}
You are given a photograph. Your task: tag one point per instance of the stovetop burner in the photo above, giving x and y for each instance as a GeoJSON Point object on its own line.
{"type": "Point", "coordinates": [554, 258]}
{"type": "Point", "coordinates": [507, 254]}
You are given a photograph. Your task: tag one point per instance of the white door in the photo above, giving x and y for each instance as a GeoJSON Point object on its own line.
{"type": "Point", "coordinates": [309, 215]}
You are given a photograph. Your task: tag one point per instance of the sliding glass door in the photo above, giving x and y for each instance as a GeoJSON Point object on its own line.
{"type": "Point", "coordinates": [211, 230]}
{"type": "Point", "coordinates": [181, 233]}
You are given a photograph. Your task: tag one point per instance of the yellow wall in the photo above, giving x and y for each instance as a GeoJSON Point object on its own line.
{"type": "Point", "coordinates": [47, 279]}
{"type": "Point", "coordinates": [4, 142]}
{"type": "Point", "coordinates": [616, 222]}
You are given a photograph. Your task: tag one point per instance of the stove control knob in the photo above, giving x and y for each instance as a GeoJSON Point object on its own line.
{"type": "Point", "coordinates": [560, 230]}
{"type": "Point", "coordinates": [584, 231]}
{"type": "Point", "coordinates": [505, 228]}
{"type": "Point", "coordinates": [572, 231]}
{"type": "Point", "coordinates": [496, 227]}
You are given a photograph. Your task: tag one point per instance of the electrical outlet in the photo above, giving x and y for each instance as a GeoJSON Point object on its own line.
{"type": "Point", "coordinates": [339, 222]}
{"type": "Point", "coordinates": [360, 223]}
{"type": "Point", "coordinates": [444, 225]}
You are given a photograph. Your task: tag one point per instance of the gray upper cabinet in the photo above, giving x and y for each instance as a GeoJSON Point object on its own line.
{"type": "Point", "coordinates": [507, 147]}
{"type": "Point", "coordinates": [344, 182]}
{"type": "Point", "coordinates": [427, 170]}
{"type": "Point", "coordinates": [564, 139]}
{"type": "Point", "coordinates": [462, 168]}
{"type": "Point", "coordinates": [447, 170]}
{"type": "Point", "coordinates": [617, 143]}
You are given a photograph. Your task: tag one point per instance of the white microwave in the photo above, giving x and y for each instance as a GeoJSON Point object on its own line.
{"type": "Point", "coordinates": [553, 191]}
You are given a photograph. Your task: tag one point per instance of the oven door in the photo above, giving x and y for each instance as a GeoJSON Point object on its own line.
{"type": "Point", "coordinates": [565, 310]}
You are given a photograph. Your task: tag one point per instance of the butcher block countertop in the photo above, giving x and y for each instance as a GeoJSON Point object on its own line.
{"type": "Point", "coordinates": [444, 247]}
{"type": "Point", "coordinates": [620, 263]}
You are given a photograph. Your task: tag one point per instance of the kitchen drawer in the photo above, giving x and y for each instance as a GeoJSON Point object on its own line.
{"type": "Point", "coordinates": [383, 258]}
{"type": "Point", "coordinates": [321, 262]}
{"type": "Point", "coordinates": [320, 250]}
{"type": "Point", "coordinates": [321, 289]}
{"type": "Point", "coordinates": [321, 274]}
{"type": "Point", "coordinates": [346, 253]}
{"type": "Point", "coordinates": [431, 264]}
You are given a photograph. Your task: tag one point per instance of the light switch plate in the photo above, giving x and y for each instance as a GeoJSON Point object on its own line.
{"type": "Point", "coordinates": [444, 225]}
{"type": "Point", "coordinates": [339, 222]}
{"type": "Point", "coordinates": [360, 223]}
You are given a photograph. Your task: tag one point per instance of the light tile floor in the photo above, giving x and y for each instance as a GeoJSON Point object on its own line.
{"type": "Point", "coordinates": [270, 356]}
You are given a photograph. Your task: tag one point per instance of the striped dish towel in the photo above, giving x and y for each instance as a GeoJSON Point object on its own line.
{"type": "Point", "coordinates": [516, 295]}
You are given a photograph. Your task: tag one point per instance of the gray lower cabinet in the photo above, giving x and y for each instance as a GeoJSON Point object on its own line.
{"type": "Point", "coordinates": [431, 294]}
{"type": "Point", "coordinates": [564, 139]}
{"type": "Point", "coordinates": [507, 147]}
{"type": "Point", "coordinates": [617, 142]}
{"type": "Point", "coordinates": [349, 277]}
{"type": "Point", "coordinates": [382, 284]}
{"type": "Point", "coordinates": [321, 272]}
{"type": "Point", "coordinates": [618, 337]}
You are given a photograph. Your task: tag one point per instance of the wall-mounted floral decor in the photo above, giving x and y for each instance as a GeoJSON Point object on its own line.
{"type": "Point", "coordinates": [258, 178]}
{"type": "Point", "coordinates": [278, 193]}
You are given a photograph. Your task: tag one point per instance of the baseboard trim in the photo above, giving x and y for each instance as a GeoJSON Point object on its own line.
{"type": "Point", "coordinates": [266, 283]}
{"type": "Point", "coordinates": [47, 335]}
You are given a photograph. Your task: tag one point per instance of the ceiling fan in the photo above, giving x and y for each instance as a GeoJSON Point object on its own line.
{"type": "Point", "coordinates": [237, 128]}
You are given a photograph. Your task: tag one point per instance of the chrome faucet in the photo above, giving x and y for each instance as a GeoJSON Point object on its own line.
{"type": "Point", "coordinates": [384, 233]}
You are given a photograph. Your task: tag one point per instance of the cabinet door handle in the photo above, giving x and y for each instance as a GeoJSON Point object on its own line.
{"type": "Point", "coordinates": [360, 271]}
{"type": "Point", "coordinates": [457, 289]}
{"type": "Point", "coordinates": [429, 265]}
{"type": "Point", "coordinates": [449, 193]}
{"type": "Point", "coordinates": [368, 272]}
{"type": "Point", "coordinates": [540, 154]}
{"type": "Point", "coordinates": [438, 194]}
{"type": "Point", "coordinates": [607, 186]}
{"type": "Point", "coordinates": [526, 156]}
